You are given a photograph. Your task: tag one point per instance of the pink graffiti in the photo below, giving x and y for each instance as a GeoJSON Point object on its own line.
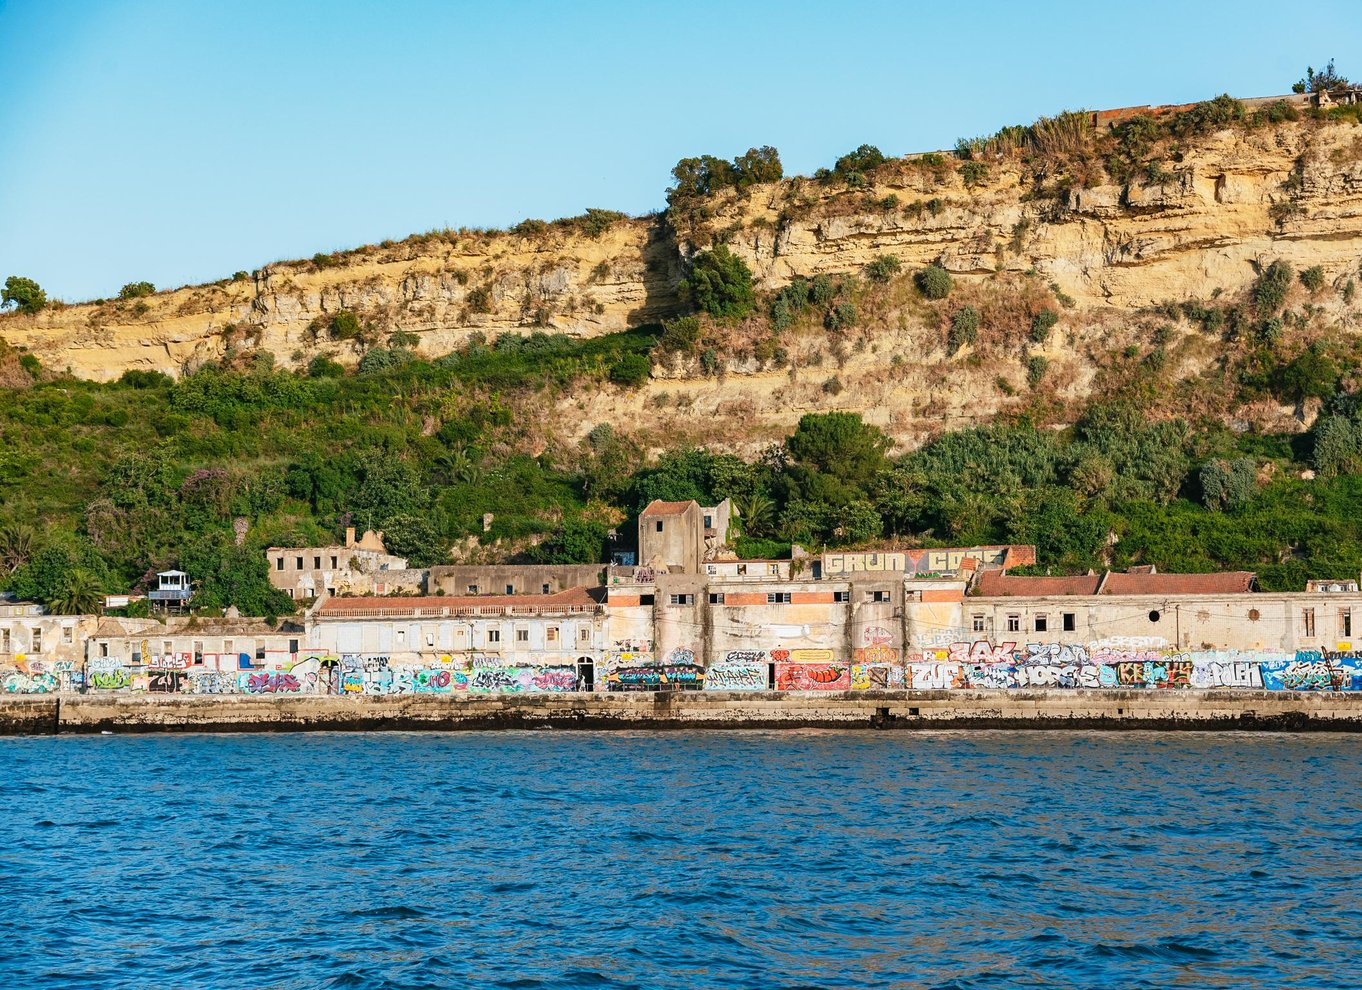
{"type": "Point", "coordinates": [272, 684]}
{"type": "Point", "coordinates": [981, 651]}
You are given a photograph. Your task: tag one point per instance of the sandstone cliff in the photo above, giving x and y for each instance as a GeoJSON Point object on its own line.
{"type": "Point", "coordinates": [1226, 206]}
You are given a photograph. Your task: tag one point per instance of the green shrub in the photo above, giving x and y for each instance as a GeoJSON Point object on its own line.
{"type": "Point", "coordinates": [973, 173]}
{"type": "Point", "coordinates": [822, 290]}
{"type": "Point", "coordinates": [709, 361]}
{"type": "Point", "coordinates": [1036, 366]}
{"type": "Point", "coordinates": [135, 290]}
{"type": "Point", "coordinates": [851, 167]}
{"type": "Point", "coordinates": [631, 370]}
{"type": "Point", "coordinates": [345, 325]}
{"type": "Point", "coordinates": [1269, 294]}
{"type": "Point", "coordinates": [706, 175]}
{"type": "Point", "coordinates": [241, 276]}
{"type": "Point", "coordinates": [934, 282]}
{"type": "Point", "coordinates": [840, 317]}
{"type": "Point", "coordinates": [682, 334]}
{"type": "Point", "coordinates": [322, 366]}
{"type": "Point", "coordinates": [964, 328]}
{"type": "Point", "coordinates": [1313, 278]}
{"type": "Point", "coordinates": [1228, 484]}
{"type": "Point", "coordinates": [24, 294]}
{"type": "Point", "coordinates": [720, 283]}
{"type": "Point", "coordinates": [31, 364]}
{"type": "Point", "coordinates": [883, 268]}
{"type": "Point", "coordinates": [1043, 323]}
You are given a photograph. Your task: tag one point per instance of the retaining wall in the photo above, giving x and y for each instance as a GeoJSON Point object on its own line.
{"type": "Point", "coordinates": [1042, 709]}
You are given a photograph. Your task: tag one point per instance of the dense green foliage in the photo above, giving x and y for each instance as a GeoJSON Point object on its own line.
{"type": "Point", "coordinates": [24, 294]}
{"type": "Point", "coordinates": [705, 175]}
{"type": "Point", "coordinates": [103, 484]}
{"type": "Point", "coordinates": [720, 283]}
{"type": "Point", "coordinates": [934, 282]}
{"type": "Point", "coordinates": [135, 290]}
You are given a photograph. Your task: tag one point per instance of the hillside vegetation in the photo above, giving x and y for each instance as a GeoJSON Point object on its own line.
{"type": "Point", "coordinates": [1035, 339]}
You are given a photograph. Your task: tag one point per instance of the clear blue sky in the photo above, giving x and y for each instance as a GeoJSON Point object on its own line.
{"type": "Point", "coordinates": [177, 141]}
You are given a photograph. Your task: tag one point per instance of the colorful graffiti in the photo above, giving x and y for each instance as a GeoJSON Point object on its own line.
{"type": "Point", "coordinates": [817, 676]}
{"type": "Point", "coordinates": [738, 670]}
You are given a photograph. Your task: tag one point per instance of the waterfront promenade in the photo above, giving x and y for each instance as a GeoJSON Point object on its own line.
{"type": "Point", "coordinates": [1218, 709]}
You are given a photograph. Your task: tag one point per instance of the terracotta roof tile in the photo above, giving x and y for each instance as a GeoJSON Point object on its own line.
{"type": "Point", "coordinates": [996, 584]}
{"type": "Point", "coordinates": [1226, 583]}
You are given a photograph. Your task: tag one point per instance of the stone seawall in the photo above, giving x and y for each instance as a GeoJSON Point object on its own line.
{"type": "Point", "coordinates": [1045, 709]}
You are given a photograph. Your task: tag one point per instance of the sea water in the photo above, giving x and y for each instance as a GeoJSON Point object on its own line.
{"type": "Point", "coordinates": [667, 859]}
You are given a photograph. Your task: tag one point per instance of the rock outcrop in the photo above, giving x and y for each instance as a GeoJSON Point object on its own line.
{"type": "Point", "coordinates": [1226, 206]}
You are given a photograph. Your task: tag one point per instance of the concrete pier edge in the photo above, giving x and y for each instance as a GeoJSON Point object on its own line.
{"type": "Point", "coordinates": [1220, 709]}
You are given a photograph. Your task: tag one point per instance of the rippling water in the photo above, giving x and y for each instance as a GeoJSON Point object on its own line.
{"type": "Point", "coordinates": [552, 859]}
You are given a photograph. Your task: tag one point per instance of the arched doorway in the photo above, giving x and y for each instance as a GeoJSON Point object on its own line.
{"type": "Point", "coordinates": [586, 674]}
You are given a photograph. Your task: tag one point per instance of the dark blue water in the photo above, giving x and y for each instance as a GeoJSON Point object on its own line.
{"type": "Point", "coordinates": [553, 859]}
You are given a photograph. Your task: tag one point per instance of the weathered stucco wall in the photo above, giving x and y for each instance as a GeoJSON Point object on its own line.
{"type": "Point", "coordinates": [1142, 709]}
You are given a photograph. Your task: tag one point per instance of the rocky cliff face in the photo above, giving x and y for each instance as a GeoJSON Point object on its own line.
{"type": "Point", "coordinates": [1224, 208]}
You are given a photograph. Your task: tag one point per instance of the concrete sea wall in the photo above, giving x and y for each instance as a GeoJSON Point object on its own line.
{"type": "Point", "coordinates": [1040, 709]}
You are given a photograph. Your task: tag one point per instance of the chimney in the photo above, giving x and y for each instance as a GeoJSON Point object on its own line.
{"type": "Point", "coordinates": [349, 536]}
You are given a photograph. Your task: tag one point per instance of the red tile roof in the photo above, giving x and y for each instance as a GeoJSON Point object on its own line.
{"type": "Point", "coordinates": [573, 597]}
{"type": "Point", "coordinates": [996, 584]}
{"type": "Point", "coordinates": [657, 507]}
{"type": "Point", "coordinates": [1226, 583]}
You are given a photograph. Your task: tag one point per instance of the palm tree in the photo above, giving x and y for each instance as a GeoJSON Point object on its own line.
{"type": "Point", "coordinates": [80, 594]}
{"type": "Point", "coordinates": [755, 512]}
{"type": "Point", "coordinates": [16, 547]}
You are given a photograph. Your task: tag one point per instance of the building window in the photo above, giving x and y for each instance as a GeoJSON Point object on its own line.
{"type": "Point", "coordinates": [472, 589]}
{"type": "Point", "coordinates": [659, 525]}
{"type": "Point", "coordinates": [1014, 623]}
{"type": "Point", "coordinates": [709, 522]}
{"type": "Point", "coordinates": [778, 598]}
{"type": "Point", "coordinates": [316, 563]}
{"type": "Point", "coordinates": [494, 635]}
{"type": "Point", "coordinates": [681, 599]}
{"type": "Point", "coordinates": [551, 634]}
{"type": "Point", "coordinates": [522, 635]}
{"type": "Point", "coordinates": [165, 647]}
{"type": "Point", "coordinates": [293, 646]}
{"type": "Point", "coordinates": [4, 641]}
{"type": "Point", "coordinates": [1345, 623]}
{"type": "Point", "coordinates": [401, 637]}
{"type": "Point", "coordinates": [878, 596]}
{"type": "Point", "coordinates": [430, 641]}
{"type": "Point", "coordinates": [1070, 621]}
{"type": "Point", "coordinates": [36, 641]}
{"type": "Point", "coordinates": [584, 634]}
{"type": "Point", "coordinates": [977, 622]}
{"type": "Point", "coordinates": [716, 597]}
{"type": "Point", "coordinates": [300, 562]}
{"type": "Point", "coordinates": [841, 596]}
{"type": "Point", "coordinates": [1308, 622]}
{"type": "Point", "coordinates": [1155, 615]}
{"type": "Point", "coordinates": [544, 590]}
{"type": "Point", "coordinates": [645, 599]}
{"type": "Point", "coordinates": [510, 589]}
{"type": "Point", "coordinates": [68, 635]}
{"type": "Point", "coordinates": [279, 563]}
{"type": "Point", "coordinates": [1042, 623]}
{"type": "Point", "coordinates": [227, 646]}
{"type": "Point", "coordinates": [333, 563]}
{"type": "Point", "coordinates": [289, 591]}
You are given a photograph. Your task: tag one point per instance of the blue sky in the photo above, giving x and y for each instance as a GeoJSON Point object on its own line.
{"type": "Point", "coordinates": [179, 141]}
